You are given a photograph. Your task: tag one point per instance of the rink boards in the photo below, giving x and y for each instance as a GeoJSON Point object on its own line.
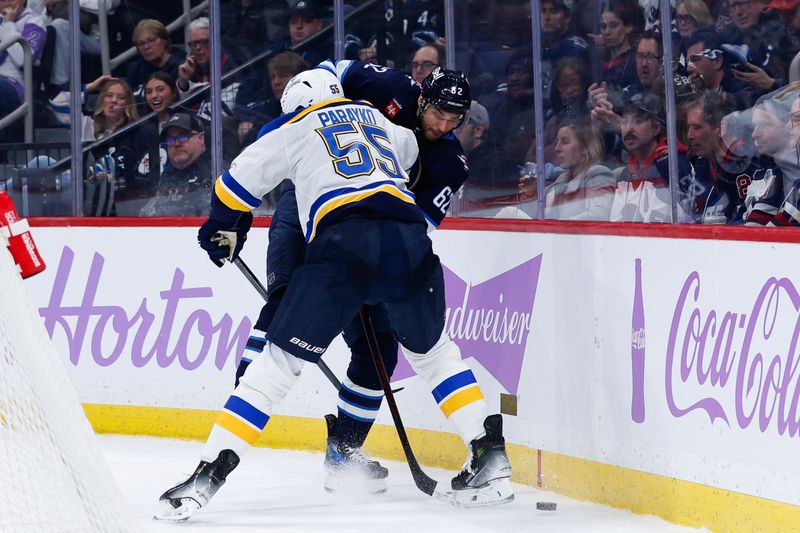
{"type": "Point", "coordinates": [686, 408]}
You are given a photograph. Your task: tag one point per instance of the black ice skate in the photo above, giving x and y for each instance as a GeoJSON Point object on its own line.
{"type": "Point", "coordinates": [348, 468]}
{"type": "Point", "coordinates": [179, 502]}
{"type": "Point", "coordinates": [484, 479]}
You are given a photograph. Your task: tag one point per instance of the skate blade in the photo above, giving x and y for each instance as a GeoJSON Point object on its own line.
{"type": "Point", "coordinates": [344, 483]}
{"type": "Point", "coordinates": [166, 511]}
{"type": "Point", "coordinates": [496, 492]}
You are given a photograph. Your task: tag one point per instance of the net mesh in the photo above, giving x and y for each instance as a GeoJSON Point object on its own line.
{"type": "Point", "coordinates": [53, 478]}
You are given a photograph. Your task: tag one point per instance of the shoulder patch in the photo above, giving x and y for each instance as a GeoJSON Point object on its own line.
{"type": "Point", "coordinates": [393, 108]}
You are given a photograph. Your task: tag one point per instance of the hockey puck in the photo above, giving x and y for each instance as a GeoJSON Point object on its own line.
{"type": "Point", "coordinates": [545, 506]}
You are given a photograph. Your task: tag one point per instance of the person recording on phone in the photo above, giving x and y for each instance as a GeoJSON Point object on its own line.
{"type": "Point", "coordinates": [196, 69]}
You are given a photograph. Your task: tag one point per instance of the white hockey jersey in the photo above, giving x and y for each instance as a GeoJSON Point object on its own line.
{"type": "Point", "coordinates": [340, 154]}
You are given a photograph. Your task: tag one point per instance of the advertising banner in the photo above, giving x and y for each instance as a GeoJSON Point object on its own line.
{"type": "Point", "coordinates": [675, 357]}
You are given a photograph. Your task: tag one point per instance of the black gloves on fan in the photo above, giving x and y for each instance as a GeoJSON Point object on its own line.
{"type": "Point", "coordinates": [222, 236]}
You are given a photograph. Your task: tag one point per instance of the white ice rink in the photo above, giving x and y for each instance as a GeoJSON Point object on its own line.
{"type": "Point", "coordinates": [276, 490]}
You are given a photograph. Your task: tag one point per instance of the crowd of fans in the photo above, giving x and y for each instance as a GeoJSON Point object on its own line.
{"type": "Point", "coordinates": [605, 142]}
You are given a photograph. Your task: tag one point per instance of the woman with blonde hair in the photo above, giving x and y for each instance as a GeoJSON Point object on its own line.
{"type": "Point", "coordinates": [582, 189]}
{"type": "Point", "coordinates": [114, 108]}
{"type": "Point", "coordinates": [111, 167]}
{"type": "Point", "coordinates": [690, 16]}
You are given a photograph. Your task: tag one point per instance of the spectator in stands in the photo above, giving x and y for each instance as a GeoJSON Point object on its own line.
{"type": "Point", "coordinates": [152, 41]}
{"type": "Point", "coordinates": [472, 134]}
{"type": "Point", "coordinates": [247, 28]}
{"type": "Point", "coordinates": [769, 48]}
{"type": "Point", "coordinates": [776, 136]}
{"type": "Point", "coordinates": [605, 99]}
{"type": "Point", "coordinates": [558, 40]}
{"type": "Point", "coordinates": [583, 189]}
{"type": "Point", "coordinates": [481, 190]}
{"type": "Point", "coordinates": [306, 19]}
{"type": "Point", "coordinates": [111, 167]}
{"type": "Point", "coordinates": [185, 186]}
{"type": "Point", "coordinates": [513, 99]}
{"type": "Point", "coordinates": [567, 101]}
{"type": "Point", "coordinates": [425, 59]}
{"type": "Point", "coordinates": [690, 16]}
{"type": "Point", "coordinates": [58, 11]}
{"type": "Point", "coordinates": [265, 105]}
{"type": "Point", "coordinates": [160, 92]}
{"type": "Point", "coordinates": [724, 167]}
{"type": "Point", "coordinates": [196, 69]}
{"type": "Point", "coordinates": [621, 22]}
{"type": "Point", "coordinates": [707, 64]}
{"type": "Point", "coordinates": [643, 186]}
{"type": "Point", "coordinates": [606, 103]}
{"type": "Point", "coordinates": [16, 19]}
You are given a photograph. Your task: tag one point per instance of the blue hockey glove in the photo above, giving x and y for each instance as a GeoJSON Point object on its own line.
{"type": "Point", "coordinates": [222, 239]}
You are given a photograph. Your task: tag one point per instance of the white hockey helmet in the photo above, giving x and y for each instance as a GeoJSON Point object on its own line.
{"type": "Point", "coordinates": [308, 88]}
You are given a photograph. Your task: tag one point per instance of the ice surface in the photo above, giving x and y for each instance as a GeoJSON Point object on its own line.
{"type": "Point", "coordinates": [279, 490]}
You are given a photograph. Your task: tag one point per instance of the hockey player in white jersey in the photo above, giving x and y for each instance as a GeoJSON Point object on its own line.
{"type": "Point", "coordinates": [368, 244]}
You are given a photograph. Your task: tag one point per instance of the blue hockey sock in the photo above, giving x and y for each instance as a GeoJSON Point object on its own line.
{"type": "Point", "coordinates": [358, 408]}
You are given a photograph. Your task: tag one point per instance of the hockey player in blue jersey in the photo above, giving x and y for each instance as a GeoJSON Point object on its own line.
{"type": "Point", "coordinates": [432, 110]}
{"type": "Point", "coordinates": [367, 244]}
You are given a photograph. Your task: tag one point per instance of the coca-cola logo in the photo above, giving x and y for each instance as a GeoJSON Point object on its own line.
{"type": "Point", "coordinates": [738, 366]}
{"type": "Point", "coordinates": [637, 339]}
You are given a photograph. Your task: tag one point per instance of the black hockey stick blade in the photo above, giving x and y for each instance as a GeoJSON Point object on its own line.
{"type": "Point", "coordinates": [259, 287]}
{"type": "Point", "coordinates": [423, 482]}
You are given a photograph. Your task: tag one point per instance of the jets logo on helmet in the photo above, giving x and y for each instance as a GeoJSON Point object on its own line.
{"type": "Point", "coordinates": [447, 90]}
{"type": "Point", "coordinates": [309, 88]}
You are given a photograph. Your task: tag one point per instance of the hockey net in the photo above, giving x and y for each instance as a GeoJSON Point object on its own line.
{"type": "Point", "coordinates": [53, 477]}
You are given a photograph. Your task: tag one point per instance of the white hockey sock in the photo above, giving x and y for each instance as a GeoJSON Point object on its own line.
{"type": "Point", "coordinates": [453, 385]}
{"type": "Point", "coordinates": [265, 383]}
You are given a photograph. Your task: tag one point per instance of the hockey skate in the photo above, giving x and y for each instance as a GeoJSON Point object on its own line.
{"type": "Point", "coordinates": [350, 469]}
{"type": "Point", "coordinates": [182, 500]}
{"type": "Point", "coordinates": [484, 480]}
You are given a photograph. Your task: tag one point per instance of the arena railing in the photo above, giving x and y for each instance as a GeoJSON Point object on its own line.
{"type": "Point", "coordinates": [181, 22]}
{"type": "Point", "coordinates": [57, 168]}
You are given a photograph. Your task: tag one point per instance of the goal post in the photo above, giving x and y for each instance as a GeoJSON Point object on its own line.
{"type": "Point", "coordinates": [53, 477]}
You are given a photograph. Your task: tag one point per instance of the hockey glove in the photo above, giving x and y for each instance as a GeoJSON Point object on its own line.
{"type": "Point", "coordinates": [222, 236]}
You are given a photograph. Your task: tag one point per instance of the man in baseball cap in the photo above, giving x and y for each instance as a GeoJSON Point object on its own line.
{"type": "Point", "coordinates": [184, 188]}
{"type": "Point", "coordinates": [184, 136]}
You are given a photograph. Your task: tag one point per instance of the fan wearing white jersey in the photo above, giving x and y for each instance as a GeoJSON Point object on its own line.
{"type": "Point", "coordinates": [368, 244]}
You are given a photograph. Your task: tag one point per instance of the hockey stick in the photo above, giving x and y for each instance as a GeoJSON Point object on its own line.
{"type": "Point", "coordinates": [423, 482]}
{"type": "Point", "coordinates": [259, 287]}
